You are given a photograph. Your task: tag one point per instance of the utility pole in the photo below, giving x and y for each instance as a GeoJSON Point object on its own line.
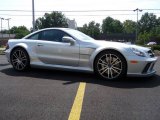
{"type": "Point", "coordinates": [33, 15]}
{"type": "Point", "coordinates": [1, 26]}
{"type": "Point", "coordinates": [137, 10]}
{"type": "Point", "coordinates": [8, 26]}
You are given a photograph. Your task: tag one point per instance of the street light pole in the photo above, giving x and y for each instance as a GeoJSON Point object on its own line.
{"type": "Point", "coordinates": [8, 26]}
{"type": "Point", "coordinates": [1, 26]}
{"type": "Point", "coordinates": [137, 10]}
{"type": "Point", "coordinates": [33, 15]}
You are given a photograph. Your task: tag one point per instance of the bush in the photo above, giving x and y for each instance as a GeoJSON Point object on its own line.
{"type": "Point", "coordinates": [156, 47]}
{"type": "Point", "coordinates": [2, 51]}
{"type": "Point", "coordinates": [153, 47]}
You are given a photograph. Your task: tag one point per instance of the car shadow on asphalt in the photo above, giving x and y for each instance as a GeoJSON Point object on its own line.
{"type": "Point", "coordinates": [73, 77]}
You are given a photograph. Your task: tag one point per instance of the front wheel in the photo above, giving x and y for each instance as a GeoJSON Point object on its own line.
{"type": "Point", "coordinates": [20, 59]}
{"type": "Point", "coordinates": [110, 65]}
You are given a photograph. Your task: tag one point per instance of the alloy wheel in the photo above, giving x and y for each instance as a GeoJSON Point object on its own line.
{"type": "Point", "coordinates": [109, 66]}
{"type": "Point", "coordinates": [19, 59]}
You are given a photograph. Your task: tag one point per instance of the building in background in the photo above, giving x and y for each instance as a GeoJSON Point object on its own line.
{"type": "Point", "coordinates": [72, 23]}
{"type": "Point", "coordinates": [5, 37]}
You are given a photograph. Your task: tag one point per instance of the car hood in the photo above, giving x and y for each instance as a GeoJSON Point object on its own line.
{"type": "Point", "coordinates": [118, 45]}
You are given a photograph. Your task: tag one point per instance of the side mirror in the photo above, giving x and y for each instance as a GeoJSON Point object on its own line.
{"type": "Point", "coordinates": [68, 40]}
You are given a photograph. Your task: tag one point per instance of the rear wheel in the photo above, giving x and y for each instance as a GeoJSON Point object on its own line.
{"type": "Point", "coordinates": [110, 65]}
{"type": "Point", "coordinates": [20, 59]}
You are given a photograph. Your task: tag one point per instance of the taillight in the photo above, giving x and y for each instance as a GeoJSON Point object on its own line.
{"type": "Point", "coordinates": [7, 46]}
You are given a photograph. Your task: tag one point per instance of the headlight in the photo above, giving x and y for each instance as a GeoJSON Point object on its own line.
{"type": "Point", "coordinates": [138, 52]}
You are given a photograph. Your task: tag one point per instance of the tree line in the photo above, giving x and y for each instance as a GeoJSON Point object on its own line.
{"type": "Point", "coordinates": [148, 26]}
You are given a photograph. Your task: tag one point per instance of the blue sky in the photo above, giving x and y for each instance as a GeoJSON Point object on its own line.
{"type": "Point", "coordinates": [67, 5]}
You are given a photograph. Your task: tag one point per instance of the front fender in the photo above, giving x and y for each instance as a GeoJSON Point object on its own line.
{"type": "Point", "coordinates": [22, 45]}
{"type": "Point", "coordinates": [122, 51]}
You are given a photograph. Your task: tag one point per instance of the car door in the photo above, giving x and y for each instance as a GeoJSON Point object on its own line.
{"type": "Point", "coordinates": [51, 49]}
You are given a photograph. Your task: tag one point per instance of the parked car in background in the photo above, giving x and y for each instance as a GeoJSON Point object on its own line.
{"type": "Point", "coordinates": [152, 43]}
{"type": "Point", "coordinates": [64, 48]}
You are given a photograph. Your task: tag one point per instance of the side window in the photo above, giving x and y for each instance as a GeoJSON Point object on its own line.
{"type": "Point", "coordinates": [34, 36]}
{"type": "Point", "coordinates": [53, 35]}
{"type": "Point", "coordinates": [47, 35]}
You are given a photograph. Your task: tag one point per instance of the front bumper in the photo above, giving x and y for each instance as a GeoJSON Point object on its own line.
{"type": "Point", "coordinates": [141, 75]}
{"type": "Point", "coordinates": [143, 68]}
{"type": "Point", "coordinates": [7, 53]}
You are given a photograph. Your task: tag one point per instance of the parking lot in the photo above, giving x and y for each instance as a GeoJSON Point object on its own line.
{"type": "Point", "coordinates": [41, 94]}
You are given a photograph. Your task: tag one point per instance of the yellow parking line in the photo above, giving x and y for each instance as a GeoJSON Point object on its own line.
{"type": "Point", "coordinates": [77, 105]}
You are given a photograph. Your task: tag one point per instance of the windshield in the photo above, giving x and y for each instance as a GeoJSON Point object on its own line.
{"type": "Point", "coordinates": [79, 35]}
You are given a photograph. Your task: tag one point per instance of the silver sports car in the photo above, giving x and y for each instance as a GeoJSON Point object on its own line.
{"type": "Point", "coordinates": [64, 48]}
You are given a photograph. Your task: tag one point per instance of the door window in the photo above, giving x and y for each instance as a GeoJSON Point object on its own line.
{"type": "Point", "coordinates": [53, 35]}
{"type": "Point", "coordinates": [34, 36]}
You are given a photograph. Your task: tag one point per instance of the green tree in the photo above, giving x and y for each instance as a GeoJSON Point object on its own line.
{"type": "Point", "coordinates": [158, 21]}
{"type": "Point", "coordinates": [54, 19]}
{"type": "Point", "coordinates": [92, 29]}
{"type": "Point", "coordinates": [147, 22]}
{"type": "Point", "coordinates": [157, 28]}
{"type": "Point", "coordinates": [149, 27]}
{"type": "Point", "coordinates": [129, 26]}
{"type": "Point", "coordinates": [84, 29]}
{"type": "Point", "coordinates": [111, 25]}
{"type": "Point", "coordinates": [144, 38]}
{"type": "Point", "coordinates": [20, 31]}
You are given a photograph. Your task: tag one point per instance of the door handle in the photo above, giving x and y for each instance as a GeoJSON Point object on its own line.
{"type": "Point", "coordinates": [40, 44]}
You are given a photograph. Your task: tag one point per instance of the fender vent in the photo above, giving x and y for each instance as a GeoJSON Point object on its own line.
{"type": "Point", "coordinates": [150, 53]}
{"type": "Point", "coordinates": [146, 68]}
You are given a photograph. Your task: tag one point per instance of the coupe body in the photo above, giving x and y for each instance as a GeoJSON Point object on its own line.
{"type": "Point", "coordinates": [64, 48]}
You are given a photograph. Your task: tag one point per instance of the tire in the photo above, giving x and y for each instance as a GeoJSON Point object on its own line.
{"type": "Point", "coordinates": [110, 65]}
{"type": "Point", "coordinates": [20, 59]}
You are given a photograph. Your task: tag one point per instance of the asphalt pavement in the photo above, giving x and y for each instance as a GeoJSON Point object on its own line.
{"type": "Point", "coordinates": [41, 94]}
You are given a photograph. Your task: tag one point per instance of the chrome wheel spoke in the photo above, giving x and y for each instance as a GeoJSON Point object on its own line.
{"type": "Point", "coordinates": [115, 71]}
{"type": "Point", "coordinates": [22, 64]}
{"type": "Point", "coordinates": [15, 55]}
{"type": "Point", "coordinates": [108, 72]}
{"type": "Point", "coordinates": [116, 63]}
{"type": "Point", "coordinates": [23, 58]}
{"type": "Point", "coordinates": [116, 68]}
{"type": "Point", "coordinates": [104, 71]}
{"type": "Point", "coordinates": [17, 65]}
{"type": "Point", "coordinates": [14, 61]}
{"type": "Point", "coordinates": [107, 60]}
{"type": "Point", "coordinates": [103, 62]}
{"type": "Point", "coordinates": [111, 73]}
{"type": "Point", "coordinates": [21, 54]}
{"type": "Point", "coordinates": [110, 58]}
